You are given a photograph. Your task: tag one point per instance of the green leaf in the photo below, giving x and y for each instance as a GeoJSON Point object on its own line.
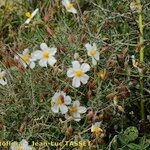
{"type": "Point", "coordinates": [123, 139]}
{"type": "Point", "coordinates": [131, 133]}
{"type": "Point", "coordinates": [134, 146]}
{"type": "Point", "coordinates": [147, 145]}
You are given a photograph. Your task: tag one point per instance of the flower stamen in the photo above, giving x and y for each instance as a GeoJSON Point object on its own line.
{"type": "Point", "coordinates": [20, 148]}
{"type": "Point", "coordinates": [97, 130]}
{"type": "Point", "coordinates": [79, 73]}
{"type": "Point", "coordinates": [46, 54]}
{"type": "Point", "coordinates": [26, 58]}
{"type": "Point", "coordinates": [60, 100]}
{"type": "Point", "coordinates": [28, 14]}
{"type": "Point", "coordinates": [73, 109]}
{"type": "Point", "coordinates": [69, 6]}
{"type": "Point", "coordinates": [92, 52]}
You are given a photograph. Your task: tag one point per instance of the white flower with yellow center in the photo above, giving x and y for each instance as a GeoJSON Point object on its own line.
{"type": "Point", "coordinates": [92, 52]}
{"type": "Point", "coordinates": [75, 110]}
{"type": "Point", "coordinates": [69, 6]}
{"type": "Point", "coordinates": [3, 80]}
{"type": "Point", "coordinates": [96, 128]}
{"type": "Point", "coordinates": [59, 102]}
{"type": "Point", "coordinates": [23, 145]}
{"type": "Point", "coordinates": [25, 59]}
{"type": "Point", "coordinates": [30, 15]}
{"type": "Point", "coordinates": [78, 73]}
{"type": "Point", "coordinates": [45, 55]}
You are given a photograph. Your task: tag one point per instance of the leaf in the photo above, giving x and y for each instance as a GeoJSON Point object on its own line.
{"type": "Point", "coordinates": [134, 146]}
{"type": "Point", "coordinates": [123, 139]}
{"type": "Point", "coordinates": [145, 146]}
{"type": "Point", "coordinates": [131, 133]}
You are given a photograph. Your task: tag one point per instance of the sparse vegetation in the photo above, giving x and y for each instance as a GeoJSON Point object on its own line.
{"type": "Point", "coordinates": [103, 43]}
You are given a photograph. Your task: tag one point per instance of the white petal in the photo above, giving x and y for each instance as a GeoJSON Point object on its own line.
{"type": "Point", "coordinates": [14, 145]}
{"type": "Point", "coordinates": [84, 79]}
{"type": "Point", "coordinates": [81, 109]}
{"type": "Point", "coordinates": [77, 116]}
{"type": "Point", "coordinates": [28, 21]}
{"type": "Point", "coordinates": [44, 46]}
{"type": "Point", "coordinates": [97, 55]}
{"type": "Point", "coordinates": [67, 116]}
{"type": "Point", "coordinates": [76, 103]}
{"type": "Point", "coordinates": [43, 63]}
{"type": "Point", "coordinates": [73, 10]}
{"type": "Point", "coordinates": [88, 46]}
{"type": "Point", "coordinates": [97, 124]}
{"type": "Point", "coordinates": [85, 67]}
{"type": "Point", "coordinates": [70, 72]}
{"type": "Point", "coordinates": [26, 51]}
{"type": "Point", "coordinates": [24, 143]}
{"type": "Point", "coordinates": [65, 2]}
{"type": "Point", "coordinates": [76, 82]}
{"type": "Point", "coordinates": [62, 93]}
{"type": "Point", "coordinates": [94, 62]}
{"type": "Point", "coordinates": [94, 46]}
{"type": "Point", "coordinates": [63, 109]}
{"type": "Point", "coordinates": [32, 65]}
{"type": "Point", "coordinates": [2, 82]}
{"type": "Point", "coordinates": [52, 61]}
{"type": "Point", "coordinates": [55, 97]}
{"type": "Point", "coordinates": [133, 57]}
{"type": "Point", "coordinates": [35, 12]}
{"type": "Point", "coordinates": [67, 100]}
{"type": "Point", "coordinates": [55, 108]}
{"type": "Point", "coordinates": [53, 50]}
{"type": "Point", "coordinates": [37, 55]}
{"type": "Point", "coordinates": [76, 65]}
{"type": "Point", "coordinates": [29, 148]}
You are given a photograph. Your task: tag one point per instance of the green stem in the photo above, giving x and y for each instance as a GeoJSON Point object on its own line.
{"type": "Point", "coordinates": [141, 42]}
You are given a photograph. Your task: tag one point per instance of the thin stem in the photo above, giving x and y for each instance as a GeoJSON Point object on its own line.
{"type": "Point", "coordinates": [141, 42]}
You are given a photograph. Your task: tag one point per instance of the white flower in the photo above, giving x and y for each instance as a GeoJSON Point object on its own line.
{"type": "Point", "coordinates": [133, 6]}
{"type": "Point", "coordinates": [25, 59]}
{"type": "Point", "coordinates": [45, 55]}
{"type": "Point", "coordinates": [96, 128]}
{"type": "Point", "coordinates": [75, 110]}
{"type": "Point", "coordinates": [30, 16]}
{"type": "Point", "coordinates": [69, 6]}
{"type": "Point", "coordinates": [135, 64]}
{"type": "Point", "coordinates": [3, 80]}
{"type": "Point", "coordinates": [92, 51]}
{"type": "Point", "coordinates": [59, 102]}
{"type": "Point", "coordinates": [133, 61]}
{"type": "Point", "coordinates": [78, 73]}
{"type": "Point", "coordinates": [23, 145]}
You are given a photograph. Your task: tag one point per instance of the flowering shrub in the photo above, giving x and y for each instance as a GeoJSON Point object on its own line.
{"type": "Point", "coordinates": [74, 74]}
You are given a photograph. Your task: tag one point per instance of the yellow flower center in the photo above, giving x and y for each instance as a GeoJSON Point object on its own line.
{"type": "Point", "coordinates": [20, 148]}
{"type": "Point", "coordinates": [69, 6]}
{"type": "Point", "coordinates": [46, 54]}
{"type": "Point", "coordinates": [73, 109]}
{"type": "Point", "coordinates": [26, 58]}
{"type": "Point", "coordinates": [92, 52]}
{"type": "Point", "coordinates": [79, 73]}
{"type": "Point", "coordinates": [28, 14]}
{"type": "Point", "coordinates": [60, 100]}
{"type": "Point", "coordinates": [102, 74]}
{"type": "Point", "coordinates": [97, 130]}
